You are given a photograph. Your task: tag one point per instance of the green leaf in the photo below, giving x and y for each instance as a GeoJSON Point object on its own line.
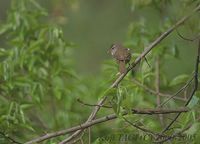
{"type": "Point", "coordinates": [135, 55]}
{"type": "Point", "coordinates": [197, 94]}
{"type": "Point", "coordinates": [26, 106]}
{"type": "Point", "coordinates": [110, 91]}
{"type": "Point", "coordinates": [35, 45]}
{"type": "Point", "coordinates": [175, 51]}
{"type": "Point", "coordinates": [58, 93]}
{"type": "Point", "coordinates": [22, 115]}
{"type": "Point", "coordinates": [193, 129]}
{"type": "Point", "coordinates": [179, 80]}
{"type": "Point", "coordinates": [115, 108]}
{"type": "Point", "coordinates": [5, 28]}
{"type": "Point", "coordinates": [36, 5]}
{"type": "Point", "coordinates": [119, 99]}
{"type": "Point", "coordinates": [22, 81]}
{"type": "Point", "coordinates": [147, 75]}
{"type": "Point", "coordinates": [11, 107]}
{"type": "Point", "coordinates": [29, 127]}
{"type": "Point", "coordinates": [194, 101]}
{"type": "Point", "coordinates": [70, 73]}
{"type": "Point", "coordinates": [3, 54]}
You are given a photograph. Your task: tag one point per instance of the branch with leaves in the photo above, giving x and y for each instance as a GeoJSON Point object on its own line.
{"type": "Point", "coordinates": [105, 119]}
{"type": "Point", "coordinates": [196, 72]}
{"type": "Point", "coordinates": [176, 134]}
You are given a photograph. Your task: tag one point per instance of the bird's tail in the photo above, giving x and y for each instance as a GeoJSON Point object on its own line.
{"type": "Point", "coordinates": [122, 67]}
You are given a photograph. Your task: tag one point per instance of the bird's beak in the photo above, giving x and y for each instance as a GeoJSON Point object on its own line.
{"type": "Point", "coordinates": [108, 51]}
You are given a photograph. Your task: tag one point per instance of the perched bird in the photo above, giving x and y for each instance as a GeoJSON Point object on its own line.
{"type": "Point", "coordinates": [122, 56]}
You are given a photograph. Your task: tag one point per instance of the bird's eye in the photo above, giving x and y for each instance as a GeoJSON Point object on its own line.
{"type": "Point", "coordinates": [113, 46]}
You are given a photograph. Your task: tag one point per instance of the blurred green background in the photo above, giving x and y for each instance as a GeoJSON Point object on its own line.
{"type": "Point", "coordinates": [94, 25]}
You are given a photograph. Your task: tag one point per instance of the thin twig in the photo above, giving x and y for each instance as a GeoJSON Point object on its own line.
{"type": "Point", "coordinates": [89, 135]}
{"type": "Point", "coordinates": [154, 92]}
{"type": "Point", "coordinates": [77, 139]}
{"type": "Point", "coordinates": [179, 91]}
{"type": "Point", "coordinates": [188, 39]}
{"type": "Point", "coordinates": [153, 134]}
{"type": "Point", "coordinates": [82, 141]}
{"type": "Point", "coordinates": [177, 133]}
{"type": "Point", "coordinates": [157, 86]}
{"type": "Point", "coordinates": [174, 135]}
{"type": "Point", "coordinates": [86, 104]}
{"type": "Point", "coordinates": [9, 138]}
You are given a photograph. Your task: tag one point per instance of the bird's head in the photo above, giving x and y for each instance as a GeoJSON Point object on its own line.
{"type": "Point", "coordinates": [113, 49]}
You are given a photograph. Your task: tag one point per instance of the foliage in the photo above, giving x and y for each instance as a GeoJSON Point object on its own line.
{"type": "Point", "coordinates": [39, 85]}
{"type": "Point", "coordinates": [36, 72]}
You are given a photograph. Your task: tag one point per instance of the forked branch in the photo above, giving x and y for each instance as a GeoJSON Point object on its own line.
{"type": "Point", "coordinates": [193, 91]}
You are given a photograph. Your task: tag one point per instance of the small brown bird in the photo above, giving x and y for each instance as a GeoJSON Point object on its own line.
{"type": "Point", "coordinates": [122, 56]}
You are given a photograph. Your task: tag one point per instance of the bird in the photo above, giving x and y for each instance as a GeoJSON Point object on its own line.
{"type": "Point", "coordinates": [122, 56]}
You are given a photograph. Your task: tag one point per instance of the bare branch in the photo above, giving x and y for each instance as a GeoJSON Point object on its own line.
{"type": "Point", "coordinates": [86, 104]}
{"type": "Point", "coordinates": [188, 39]}
{"type": "Point", "coordinates": [89, 135]}
{"type": "Point", "coordinates": [79, 138]}
{"type": "Point", "coordinates": [179, 91]}
{"type": "Point", "coordinates": [157, 86]}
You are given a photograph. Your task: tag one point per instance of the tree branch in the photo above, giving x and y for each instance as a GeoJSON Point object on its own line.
{"type": "Point", "coordinates": [179, 91]}
{"type": "Point", "coordinates": [177, 133]}
{"type": "Point", "coordinates": [157, 86]}
{"type": "Point", "coordinates": [86, 104]}
{"type": "Point", "coordinates": [153, 134]}
{"type": "Point", "coordinates": [174, 135]}
{"type": "Point", "coordinates": [104, 119]}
